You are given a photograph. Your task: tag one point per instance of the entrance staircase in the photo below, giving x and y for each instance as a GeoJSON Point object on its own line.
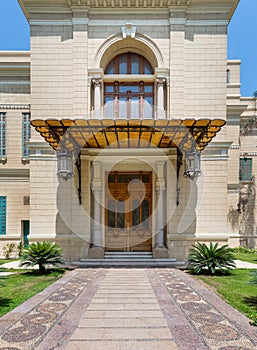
{"type": "Point", "coordinates": [131, 259]}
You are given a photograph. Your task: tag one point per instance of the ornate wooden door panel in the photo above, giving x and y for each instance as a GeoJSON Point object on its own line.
{"type": "Point", "coordinates": [128, 211]}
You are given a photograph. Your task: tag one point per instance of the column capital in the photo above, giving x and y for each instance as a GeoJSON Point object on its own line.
{"type": "Point", "coordinates": [97, 82]}
{"type": "Point", "coordinates": [97, 181]}
{"type": "Point", "coordinates": [160, 81]}
{"type": "Point", "coordinates": [160, 162]}
{"type": "Point", "coordinates": [97, 186]}
{"type": "Point", "coordinates": [160, 186]}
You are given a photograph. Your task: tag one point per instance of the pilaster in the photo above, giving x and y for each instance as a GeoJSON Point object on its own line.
{"type": "Point", "coordinates": [80, 60]}
{"type": "Point", "coordinates": [97, 250]}
{"type": "Point", "coordinates": [160, 251]}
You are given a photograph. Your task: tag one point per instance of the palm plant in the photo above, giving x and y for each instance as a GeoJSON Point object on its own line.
{"type": "Point", "coordinates": [42, 254]}
{"type": "Point", "coordinates": [253, 274]}
{"type": "Point", "coordinates": [202, 258]}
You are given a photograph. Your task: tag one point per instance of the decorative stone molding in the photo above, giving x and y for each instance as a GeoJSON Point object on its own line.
{"type": "Point", "coordinates": [14, 175]}
{"type": "Point", "coordinates": [129, 3]}
{"type": "Point", "coordinates": [233, 187]}
{"type": "Point", "coordinates": [14, 106]}
{"type": "Point", "coordinates": [248, 154]}
{"type": "Point", "coordinates": [128, 31]}
{"type": "Point", "coordinates": [3, 160]}
{"type": "Point", "coordinates": [144, 43]}
{"type": "Point", "coordinates": [95, 73]}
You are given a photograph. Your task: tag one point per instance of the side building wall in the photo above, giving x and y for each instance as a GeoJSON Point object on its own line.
{"type": "Point", "coordinates": [14, 166]}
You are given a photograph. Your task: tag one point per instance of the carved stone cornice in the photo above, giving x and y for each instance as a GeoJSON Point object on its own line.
{"type": "Point", "coordinates": [128, 3]}
{"type": "Point", "coordinates": [67, 6]}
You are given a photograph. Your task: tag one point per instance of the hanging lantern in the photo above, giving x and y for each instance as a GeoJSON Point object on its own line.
{"type": "Point", "coordinates": [193, 169]}
{"type": "Point", "coordinates": [65, 164]}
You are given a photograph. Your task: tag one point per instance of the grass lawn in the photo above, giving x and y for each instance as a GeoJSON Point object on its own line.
{"type": "Point", "coordinates": [249, 257]}
{"type": "Point", "coordinates": [16, 288]}
{"type": "Point", "coordinates": [236, 290]}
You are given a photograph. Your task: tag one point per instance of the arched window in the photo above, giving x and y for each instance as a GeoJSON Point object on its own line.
{"type": "Point", "coordinates": [130, 97]}
{"type": "Point", "coordinates": [129, 63]}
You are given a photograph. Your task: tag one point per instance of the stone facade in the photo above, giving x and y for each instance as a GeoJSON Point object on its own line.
{"type": "Point", "coordinates": [63, 77]}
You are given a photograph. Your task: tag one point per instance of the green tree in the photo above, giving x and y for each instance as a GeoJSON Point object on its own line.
{"type": "Point", "coordinates": [210, 259]}
{"type": "Point", "coordinates": [42, 254]}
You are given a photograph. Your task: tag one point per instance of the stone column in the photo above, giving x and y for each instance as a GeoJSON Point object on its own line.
{"type": "Point", "coordinates": [160, 98]}
{"type": "Point", "coordinates": [160, 251]}
{"type": "Point", "coordinates": [97, 250]}
{"type": "Point", "coordinates": [97, 83]}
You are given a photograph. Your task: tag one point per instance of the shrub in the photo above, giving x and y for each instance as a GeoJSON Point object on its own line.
{"type": "Point", "coordinates": [244, 250]}
{"type": "Point", "coordinates": [210, 259]}
{"type": "Point", "coordinates": [9, 249]}
{"type": "Point", "coordinates": [42, 254]}
{"type": "Point", "coordinates": [20, 248]}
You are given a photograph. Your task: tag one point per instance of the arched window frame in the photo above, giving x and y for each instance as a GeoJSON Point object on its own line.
{"type": "Point", "coordinates": [129, 78]}
{"type": "Point", "coordinates": [159, 79]}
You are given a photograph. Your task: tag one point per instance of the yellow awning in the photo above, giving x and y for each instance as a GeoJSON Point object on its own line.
{"type": "Point", "coordinates": [133, 133]}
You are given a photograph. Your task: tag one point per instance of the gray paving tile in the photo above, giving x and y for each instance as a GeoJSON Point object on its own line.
{"type": "Point", "coordinates": [124, 323]}
{"type": "Point", "coordinates": [118, 300]}
{"type": "Point", "coordinates": [123, 345]}
{"type": "Point", "coordinates": [138, 333]}
{"type": "Point", "coordinates": [121, 314]}
{"type": "Point", "coordinates": [130, 307]}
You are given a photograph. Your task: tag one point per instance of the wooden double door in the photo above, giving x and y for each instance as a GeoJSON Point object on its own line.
{"type": "Point", "coordinates": [128, 211]}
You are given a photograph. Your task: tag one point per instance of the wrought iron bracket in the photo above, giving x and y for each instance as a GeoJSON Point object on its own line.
{"type": "Point", "coordinates": [78, 166]}
{"type": "Point", "coordinates": [179, 164]}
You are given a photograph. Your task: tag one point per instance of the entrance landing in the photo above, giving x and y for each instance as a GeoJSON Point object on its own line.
{"type": "Point", "coordinates": [126, 309]}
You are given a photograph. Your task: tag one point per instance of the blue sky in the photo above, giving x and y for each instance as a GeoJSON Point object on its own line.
{"type": "Point", "coordinates": [242, 42]}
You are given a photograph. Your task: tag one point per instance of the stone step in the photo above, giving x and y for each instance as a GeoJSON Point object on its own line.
{"type": "Point", "coordinates": [132, 257]}
{"type": "Point", "coordinates": [128, 253]}
{"type": "Point", "coordinates": [128, 262]}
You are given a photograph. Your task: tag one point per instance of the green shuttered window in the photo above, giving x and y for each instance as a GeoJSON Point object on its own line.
{"type": "Point", "coordinates": [245, 173]}
{"type": "Point", "coordinates": [2, 134]}
{"type": "Point", "coordinates": [25, 133]}
{"type": "Point", "coordinates": [2, 215]}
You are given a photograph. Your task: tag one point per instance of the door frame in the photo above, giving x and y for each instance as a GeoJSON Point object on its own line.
{"type": "Point", "coordinates": [128, 231]}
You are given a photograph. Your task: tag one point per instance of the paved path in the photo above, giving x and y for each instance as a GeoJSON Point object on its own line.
{"type": "Point", "coordinates": [126, 309]}
{"type": "Point", "coordinates": [245, 265]}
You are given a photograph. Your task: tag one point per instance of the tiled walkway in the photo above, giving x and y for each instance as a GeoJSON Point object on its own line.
{"type": "Point", "coordinates": [126, 309]}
